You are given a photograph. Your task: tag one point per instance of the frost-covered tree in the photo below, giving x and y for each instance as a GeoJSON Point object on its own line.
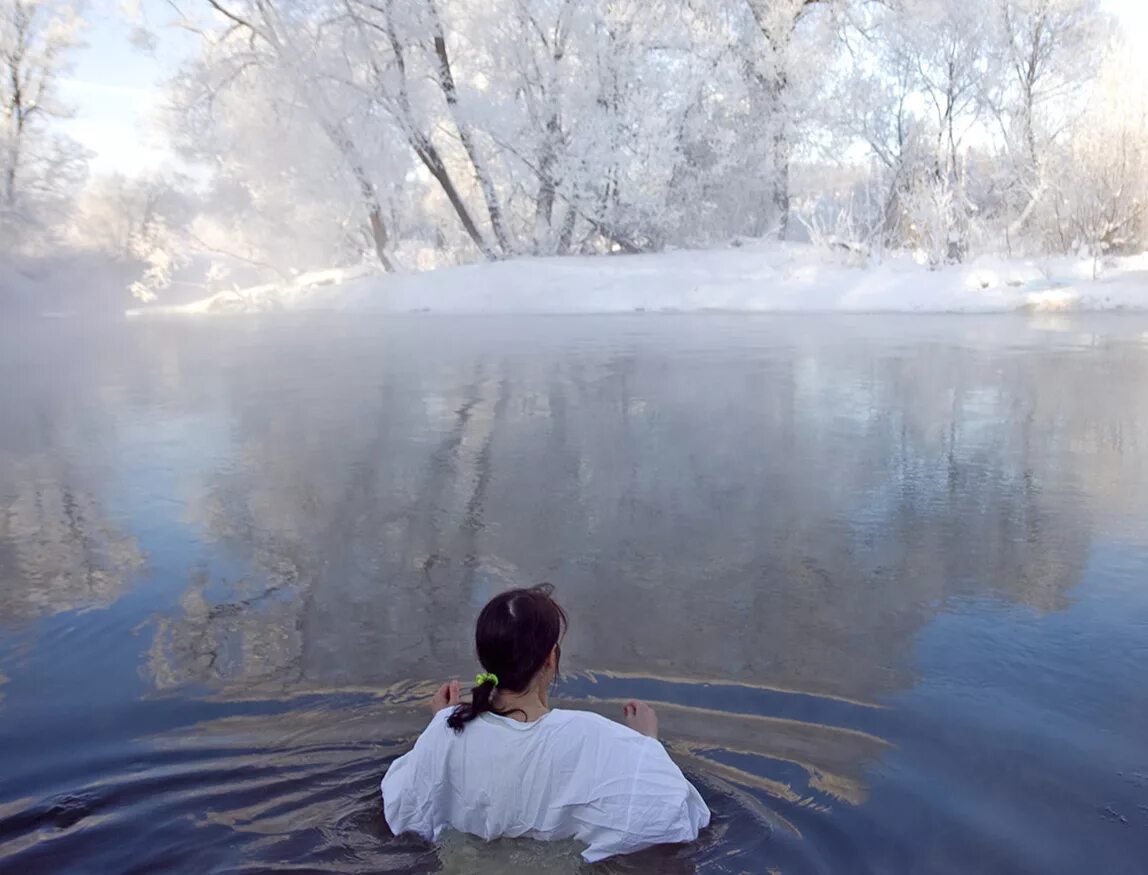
{"type": "Point", "coordinates": [946, 44]}
{"type": "Point", "coordinates": [284, 64]}
{"type": "Point", "coordinates": [139, 223]}
{"type": "Point", "coordinates": [780, 62]}
{"type": "Point", "coordinates": [528, 116]}
{"type": "Point", "coordinates": [580, 110]}
{"type": "Point", "coordinates": [40, 170]}
{"type": "Point", "coordinates": [1099, 193]}
{"type": "Point", "coordinates": [910, 90]}
{"type": "Point", "coordinates": [1049, 51]}
{"type": "Point", "coordinates": [965, 108]}
{"type": "Point", "coordinates": [417, 132]}
{"type": "Point", "coordinates": [527, 127]}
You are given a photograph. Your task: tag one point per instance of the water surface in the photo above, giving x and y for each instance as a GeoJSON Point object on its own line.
{"type": "Point", "coordinates": [883, 577]}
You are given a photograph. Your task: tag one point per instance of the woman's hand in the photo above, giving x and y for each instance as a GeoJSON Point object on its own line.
{"type": "Point", "coordinates": [641, 718]}
{"type": "Point", "coordinates": [447, 697]}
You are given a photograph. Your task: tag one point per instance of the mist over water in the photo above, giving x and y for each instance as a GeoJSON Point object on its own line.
{"type": "Point", "coordinates": [883, 578]}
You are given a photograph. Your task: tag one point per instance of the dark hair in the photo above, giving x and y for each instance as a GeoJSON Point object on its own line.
{"type": "Point", "coordinates": [513, 637]}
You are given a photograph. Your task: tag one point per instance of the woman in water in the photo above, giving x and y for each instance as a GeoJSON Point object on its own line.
{"type": "Point", "coordinates": [505, 764]}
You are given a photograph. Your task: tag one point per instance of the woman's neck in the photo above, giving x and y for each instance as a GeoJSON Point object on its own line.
{"type": "Point", "coordinates": [533, 703]}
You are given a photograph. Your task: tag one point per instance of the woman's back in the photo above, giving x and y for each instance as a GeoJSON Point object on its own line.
{"type": "Point", "coordinates": [568, 774]}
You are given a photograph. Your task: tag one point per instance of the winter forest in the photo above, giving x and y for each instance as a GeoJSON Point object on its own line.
{"type": "Point", "coordinates": [414, 134]}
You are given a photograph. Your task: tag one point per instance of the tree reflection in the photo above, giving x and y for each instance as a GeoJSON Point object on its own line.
{"type": "Point", "coordinates": [788, 518]}
{"type": "Point", "coordinates": [58, 544]}
{"type": "Point", "coordinates": [60, 547]}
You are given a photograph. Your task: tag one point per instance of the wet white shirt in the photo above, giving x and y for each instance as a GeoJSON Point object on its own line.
{"type": "Point", "coordinates": [569, 774]}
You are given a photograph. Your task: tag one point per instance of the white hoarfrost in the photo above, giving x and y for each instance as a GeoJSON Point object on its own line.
{"type": "Point", "coordinates": [775, 278]}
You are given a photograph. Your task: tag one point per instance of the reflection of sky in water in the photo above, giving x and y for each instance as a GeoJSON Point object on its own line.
{"type": "Point", "coordinates": [1062, 697]}
{"type": "Point", "coordinates": [165, 464]}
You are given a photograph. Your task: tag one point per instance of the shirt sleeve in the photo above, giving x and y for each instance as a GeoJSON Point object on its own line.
{"type": "Point", "coordinates": [646, 802]}
{"type": "Point", "coordinates": [408, 787]}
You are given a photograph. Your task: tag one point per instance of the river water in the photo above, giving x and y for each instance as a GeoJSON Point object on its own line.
{"type": "Point", "coordinates": [884, 578]}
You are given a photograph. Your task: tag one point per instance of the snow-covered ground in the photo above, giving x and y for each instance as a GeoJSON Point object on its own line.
{"type": "Point", "coordinates": [752, 278]}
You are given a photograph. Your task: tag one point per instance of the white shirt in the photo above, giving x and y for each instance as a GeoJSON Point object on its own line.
{"type": "Point", "coordinates": [569, 774]}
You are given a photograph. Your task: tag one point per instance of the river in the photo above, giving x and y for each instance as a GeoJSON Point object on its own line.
{"type": "Point", "coordinates": [885, 579]}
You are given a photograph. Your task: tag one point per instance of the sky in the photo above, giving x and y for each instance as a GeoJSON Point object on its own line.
{"type": "Point", "coordinates": [116, 89]}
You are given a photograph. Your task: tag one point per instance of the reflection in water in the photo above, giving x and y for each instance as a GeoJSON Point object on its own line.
{"type": "Point", "coordinates": [815, 506]}
{"type": "Point", "coordinates": [753, 523]}
{"type": "Point", "coordinates": [255, 634]}
{"type": "Point", "coordinates": [59, 541]}
{"type": "Point", "coordinates": [59, 545]}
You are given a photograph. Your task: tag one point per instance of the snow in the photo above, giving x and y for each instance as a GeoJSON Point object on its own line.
{"type": "Point", "coordinates": [764, 277]}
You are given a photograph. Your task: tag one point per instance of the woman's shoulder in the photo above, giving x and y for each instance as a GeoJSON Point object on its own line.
{"type": "Point", "coordinates": [437, 733]}
{"type": "Point", "coordinates": [610, 749]}
{"type": "Point", "coordinates": [591, 724]}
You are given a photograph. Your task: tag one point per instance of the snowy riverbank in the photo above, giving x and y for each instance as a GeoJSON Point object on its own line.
{"type": "Point", "coordinates": [758, 278]}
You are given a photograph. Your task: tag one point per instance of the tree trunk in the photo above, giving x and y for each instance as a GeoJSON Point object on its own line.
{"type": "Point", "coordinates": [609, 99]}
{"type": "Point", "coordinates": [450, 92]}
{"type": "Point", "coordinates": [19, 115]}
{"type": "Point", "coordinates": [424, 148]}
{"type": "Point", "coordinates": [781, 181]}
{"type": "Point", "coordinates": [777, 34]}
{"type": "Point", "coordinates": [379, 236]}
{"type": "Point", "coordinates": [567, 235]}
{"type": "Point", "coordinates": [350, 154]}
{"type": "Point", "coordinates": [433, 162]}
{"type": "Point", "coordinates": [775, 89]}
{"type": "Point", "coordinates": [10, 179]}
{"type": "Point", "coordinates": [547, 187]}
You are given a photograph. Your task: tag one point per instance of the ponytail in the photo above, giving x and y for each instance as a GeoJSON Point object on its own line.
{"type": "Point", "coordinates": [481, 699]}
{"type": "Point", "coordinates": [515, 634]}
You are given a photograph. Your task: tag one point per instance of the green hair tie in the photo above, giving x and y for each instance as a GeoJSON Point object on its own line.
{"type": "Point", "coordinates": [485, 676]}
